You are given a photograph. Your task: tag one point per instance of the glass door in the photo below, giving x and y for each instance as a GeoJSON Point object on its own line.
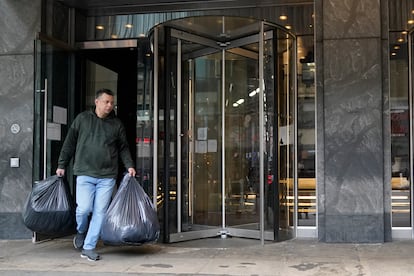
{"type": "Point", "coordinates": [51, 106]}
{"type": "Point", "coordinates": [226, 116]}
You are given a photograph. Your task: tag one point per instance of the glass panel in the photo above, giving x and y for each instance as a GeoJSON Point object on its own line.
{"type": "Point", "coordinates": [168, 133]}
{"type": "Point", "coordinates": [51, 100]}
{"type": "Point", "coordinates": [38, 171]}
{"type": "Point", "coordinates": [52, 66]}
{"type": "Point", "coordinates": [242, 140]}
{"type": "Point", "coordinates": [400, 138]}
{"type": "Point", "coordinates": [271, 207]}
{"type": "Point", "coordinates": [280, 118]}
{"type": "Point", "coordinates": [306, 133]}
{"type": "Point", "coordinates": [144, 127]}
{"type": "Point", "coordinates": [202, 113]}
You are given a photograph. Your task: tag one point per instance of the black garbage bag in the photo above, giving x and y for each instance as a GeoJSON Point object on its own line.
{"type": "Point", "coordinates": [131, 218]}
{"type": "Point", "coordinates": [50, 208]}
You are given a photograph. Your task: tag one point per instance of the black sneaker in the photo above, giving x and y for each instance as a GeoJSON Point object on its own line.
{"type": "Point", "coordinates": [90, 254]}
{"type": "Point", "coordinates": [78, 240]}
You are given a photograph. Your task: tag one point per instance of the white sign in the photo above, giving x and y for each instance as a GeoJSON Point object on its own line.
{"type": "Point", "coordinates": [53, 131]}
{"type": "Point", "coordinates": [60, 115]}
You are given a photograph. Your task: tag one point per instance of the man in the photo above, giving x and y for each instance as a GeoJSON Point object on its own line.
{"type": "Point", "coordinates": [95, 140]}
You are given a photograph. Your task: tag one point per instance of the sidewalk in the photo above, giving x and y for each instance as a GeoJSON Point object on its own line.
{"type": "Point", "coordinates": [231, 256]}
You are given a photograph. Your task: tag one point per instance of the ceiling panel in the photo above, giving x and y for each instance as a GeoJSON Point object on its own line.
{"type": "Point", "coordinates": [108, 7]}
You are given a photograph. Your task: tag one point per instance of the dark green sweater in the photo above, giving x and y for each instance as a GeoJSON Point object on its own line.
{"type": "Point", "coordinates": [95, 144]}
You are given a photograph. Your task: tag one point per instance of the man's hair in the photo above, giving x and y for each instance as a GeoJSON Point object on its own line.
{"type": "Point", "coordinates": [103, 91]}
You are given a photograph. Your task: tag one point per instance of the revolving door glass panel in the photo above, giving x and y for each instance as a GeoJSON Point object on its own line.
{"type": "Point", "coordinates": [242, 143]}
{"type": "Point", "coordinates": [201, 165]}
{"type": "Point", "coordinates": [224, 129]}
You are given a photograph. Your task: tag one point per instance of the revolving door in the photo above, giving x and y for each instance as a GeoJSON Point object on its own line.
{"type": "Point", "coordinates": [224, 117]}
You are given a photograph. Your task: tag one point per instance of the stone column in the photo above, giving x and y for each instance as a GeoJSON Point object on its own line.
{"type": "Point", "coordinates": [353, 136]}
{"type": "Point", "coordinates": [19, 23]}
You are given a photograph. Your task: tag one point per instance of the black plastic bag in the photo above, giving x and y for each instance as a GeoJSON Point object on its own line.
{"type": "Point", "coordinates": [131, 218]}
{"type": "Point", "coordinates": [50, 208]}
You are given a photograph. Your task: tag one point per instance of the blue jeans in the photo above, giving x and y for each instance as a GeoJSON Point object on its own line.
{"type": "Point", "coordinates": [92, 196]}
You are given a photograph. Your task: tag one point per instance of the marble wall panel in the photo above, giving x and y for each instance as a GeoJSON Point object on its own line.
{"type": "Point", "coordinates": [19, 23]}
{"type": "Point", "coordinates": [350, 19]}
{"type": "Point", "coordinates": [16, 107]}
{"type": "Point", "coordinates": [355, 228]}
{"type": "Point", "coordinates": [386, 123]}
{"type": "Point", "coordinates": [353, 140]}
{"type": "Point", "coordinates": [353, 126]}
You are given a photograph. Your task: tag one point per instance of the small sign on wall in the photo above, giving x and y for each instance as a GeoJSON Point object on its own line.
{"type": "Point", "coordinates": [53, 131]}
{"type": "Point", "coordinates": [60, 115]}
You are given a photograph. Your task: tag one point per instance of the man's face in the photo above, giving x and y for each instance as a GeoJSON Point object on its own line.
{"type": "Point", "coordinates": [104, 105]}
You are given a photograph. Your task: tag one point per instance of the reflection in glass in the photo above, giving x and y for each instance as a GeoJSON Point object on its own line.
{"type": "Point", "coordinates": [400, 139]}
{"type": "Point", "coordinates": [306, 134]}
{"type": "Point", "coordinates": [242, 141]}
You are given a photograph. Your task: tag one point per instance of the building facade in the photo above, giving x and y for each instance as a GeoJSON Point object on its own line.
{"type": "Point", "coordinates": [276, 119]}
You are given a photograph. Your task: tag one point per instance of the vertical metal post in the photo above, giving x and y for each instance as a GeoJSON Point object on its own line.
{"type": "Point", "coordinates": [168, 86]}
{"type": "Point", "coordinates": [191, 157]}
{"type": "Point", "coordinates": [295, 132]}
{"type": "Point", "coordinates": [410, 104]}
{"type": "Point", "coordinates": [223, 135]}
{"type": "Point", "coordinates": [45, 102]}
{"type": "Point", "coordinates": [261, 130]}
{"type": "Point", "coordinates": [155, 122]}
{"type": "Point", "coordinates": [179, 135]}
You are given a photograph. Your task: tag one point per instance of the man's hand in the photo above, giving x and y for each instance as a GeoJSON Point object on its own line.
{"type": "Point", "coordinates": [132, 172]}
{"type": "Point", "coordinates": [60, 172]}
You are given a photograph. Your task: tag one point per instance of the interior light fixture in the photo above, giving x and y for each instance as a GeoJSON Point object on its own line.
{"type": "Point", "coordinates": [129, 26]}
{"type": "Point", "coordinates": [283, 17]}
{"type": "Point", "coordinates": [99, 27]}
{"type": "Point", "coordinates": [411, 21]}
{"type": "Point", "coordinates": [393, 54]}
{"type": "Point", "coordinates": [397, 47]}
{"type": "Point", "coordinates": [240, 101]}
{"type": "Point", "coordinates": [400, 39]}
{"type": "Point", "coordinates": [289, 27]}
{"type": "Point", "coordinates": [254, 92]}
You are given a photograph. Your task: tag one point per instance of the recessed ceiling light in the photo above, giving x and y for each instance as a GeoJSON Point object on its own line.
{"type": "Point", "coordinates": [411, 21]}
{"type": "Point", "coordinates": [289, 27]}
{"type": "Point", "coordinates": [99, 27]}
{"type": "Point", "coordinates": [400, 40]}
{"type": "Point", "coordinates": [129, 26]}
{"type": "Point", "coordinates": [283, 17]}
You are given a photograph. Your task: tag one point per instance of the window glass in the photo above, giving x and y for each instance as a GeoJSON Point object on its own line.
{"type": "Point", "coordinates": [400, 135]}
{"type": "Point", "coordinates": [306, 133]}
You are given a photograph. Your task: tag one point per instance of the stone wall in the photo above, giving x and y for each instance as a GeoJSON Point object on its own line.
{"type": "Point", "coordinates": [18, 32]}
{"type": "Point", "coordinates": [353, 191]}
